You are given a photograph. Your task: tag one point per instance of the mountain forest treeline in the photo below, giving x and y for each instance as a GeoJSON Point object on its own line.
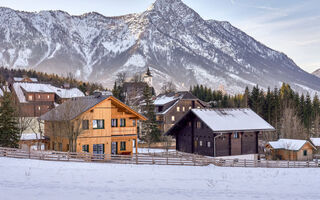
{"type": "Point", "coordinates": [294, 115]}
{"type": "Point", "coordinates": [54, 79]}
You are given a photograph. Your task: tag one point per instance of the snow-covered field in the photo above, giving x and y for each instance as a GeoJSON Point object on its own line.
{"type": "Point", "coordinates": [34, 179]}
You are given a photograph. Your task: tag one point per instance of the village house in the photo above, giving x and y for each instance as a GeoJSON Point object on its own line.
{"type": "Point", "coordinates": [316, 143]}
{"type": "Point", "coordinates": [97, 124]}
{"type": "Point", "coordinates": [219, 132]}
{"type": "Point", "coordinates": [34, 99]}
{"type": "Point", "coordinates": [171, 107]}
{"type": "Point", "coordinates": [290, 149]}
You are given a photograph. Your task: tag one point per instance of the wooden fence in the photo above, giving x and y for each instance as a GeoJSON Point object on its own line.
{"type": "Point", "coordinates": [163, 158]}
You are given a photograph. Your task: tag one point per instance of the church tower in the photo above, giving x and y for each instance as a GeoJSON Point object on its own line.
{"type": "Point", "coordinates": [147, 77]}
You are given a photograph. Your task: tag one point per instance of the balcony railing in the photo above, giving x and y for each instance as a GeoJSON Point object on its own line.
{"type": "Point", "coordinates": [123, 130]}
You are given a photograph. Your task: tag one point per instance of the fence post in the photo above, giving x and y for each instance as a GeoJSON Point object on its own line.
{"type": "Point", "coordinates": [137, 162]}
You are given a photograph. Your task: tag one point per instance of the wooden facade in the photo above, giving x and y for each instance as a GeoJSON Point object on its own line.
{"type": "Point", "coordinates": [107, 127]}
{"type": "Point", "coordinates": [194, 135]}
{"type": "Point", "coordinates": [295, 152]}
{"type": "Point", "coordinates": [168, 113]}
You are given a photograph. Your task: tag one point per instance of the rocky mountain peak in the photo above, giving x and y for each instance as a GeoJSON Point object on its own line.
{"type": "Point", "coordinates": [170, 38]}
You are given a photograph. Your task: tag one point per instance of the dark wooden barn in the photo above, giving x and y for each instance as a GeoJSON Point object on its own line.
{"type": "Point", "coordinates": [219, 132]}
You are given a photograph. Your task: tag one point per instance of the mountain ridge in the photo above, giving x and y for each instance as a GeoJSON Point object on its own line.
{"type": "Point", "coordinates": [169, 37]}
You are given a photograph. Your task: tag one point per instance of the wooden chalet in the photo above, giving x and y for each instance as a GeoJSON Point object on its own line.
{"type": "Point", "coordinates": [102, 125]}
{"type": "Point", "coordinates": [171, 107]}
{"type": "Point", "coordinates": [219, 132]}
{"type": "Point", "coordinates": [33, 141]}
{"type": "Point", "coordinates": [290, 149]}
{"type": "Point", "coordinates": [33, 99]}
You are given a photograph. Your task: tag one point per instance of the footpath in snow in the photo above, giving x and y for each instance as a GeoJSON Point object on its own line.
{"type": "Point", "coordinates": [34, 179]}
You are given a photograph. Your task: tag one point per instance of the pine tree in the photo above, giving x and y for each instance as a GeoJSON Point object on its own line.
{"type": "Point", "coordinates": [9, 131]}
{"type": "Point", "coordinates": [150, 128]}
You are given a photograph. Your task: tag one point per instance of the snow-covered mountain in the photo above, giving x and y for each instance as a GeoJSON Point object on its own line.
{"type": "Point", "coordinates": [169, 37]}
{"type": "Point", "coordinates": [316, 73]}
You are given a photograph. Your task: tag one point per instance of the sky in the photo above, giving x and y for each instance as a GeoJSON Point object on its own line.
{"type": "Point", "coordinates": [289, 26]}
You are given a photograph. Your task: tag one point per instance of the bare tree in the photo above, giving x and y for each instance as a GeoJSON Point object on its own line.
{"type": "Point", "coordinates": [168, 87]}
{"type": "Point", "coordinates": [66, 123]}
{"type": "Point", "coordinates": [291, 125]}
{"type": "Point", "coordinates": [136, 78]}
{"type": "Point", "coordinates": [121, 78]}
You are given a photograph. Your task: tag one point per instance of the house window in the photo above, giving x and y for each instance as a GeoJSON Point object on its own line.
{"type": "Point", "coordinates": [85, 124]}
{"type": "Point", "coordinates": [30, 97]}
{"type": "Point", "coordinates": [134, 123]}
{"type": "Point", "coordinates": [178, 109]}
{"type": "Point", "coordinates": [183, 109]}
{"type": "Point", "coordinates": [122, 146]}
{"type": "Point", "coordinates": [208, 144]}
{"type": "Point", "coordinates": [122, 122]}
{"type": "Point", "coordinates": [98, 124]}
{"type": "Point", "coordinates": [114, 122]}
{"type": "Point", "coordinates": [189, 124]}
{"type": "Point", "coordinates": [173, 118]}
{"type": "Point", "coordinates": [39, 108]}
{"type": "Point", "coordinates": [85, 148]}
{"type": "Point", "coordinates": [198, 107]}
{"type": "Point", "coordinates": [200, 143]}
{"type": "Point", "coordinates": [60, 146]}
{"type": "Point", "coordinates": [189, 107]}
{"type": "Point", "coordinates": [195, 143]}
{"type": "Point", "coordinates": [39, 97]}
{"type": "Point", "coordinates": [305, 152]}
{"type": "Point", "coordinates": [48, 96]}
{"type": "Point", "coordinates": [198, 124]}
{"type": "Point", "coordinates": [236, 135]}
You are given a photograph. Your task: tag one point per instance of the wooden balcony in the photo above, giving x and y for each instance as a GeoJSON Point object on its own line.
{"type": "Point", "coordinates": [123, 130]}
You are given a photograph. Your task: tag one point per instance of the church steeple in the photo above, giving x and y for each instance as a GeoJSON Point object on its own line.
{"type": "Point", "coordinates": [148, 77]}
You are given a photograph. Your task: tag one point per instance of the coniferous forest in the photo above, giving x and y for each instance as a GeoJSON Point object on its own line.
{"type": "Point", "coordinates": [294, 115]}
{"type": "Point", "coordinates": [53, 79]}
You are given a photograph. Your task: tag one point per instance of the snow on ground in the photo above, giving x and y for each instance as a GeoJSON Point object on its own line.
{"type": "Point", "coordinates": [35, 179]}
{"type": "Point", "coordinates": [152, 150]}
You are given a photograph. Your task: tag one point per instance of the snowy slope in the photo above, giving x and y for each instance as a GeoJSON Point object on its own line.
{"type": "Point", "coordinates": [33, 179]}
{"type": "Point", "coordinates": [169, 37]}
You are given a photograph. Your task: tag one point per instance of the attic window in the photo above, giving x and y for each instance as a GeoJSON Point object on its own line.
{"type": "Point", "coordinates": [183, 109]}
{"type": "Point", "coordinates": [198, 124]}
{"type": "Point", "coordinates": [30, 97]}
{"type": "Point", "coordinates": [178, 109]}
{"type": "Point", "coordinates": [48, 96]}
{"type": "Point", "coordinates": [39, 96]}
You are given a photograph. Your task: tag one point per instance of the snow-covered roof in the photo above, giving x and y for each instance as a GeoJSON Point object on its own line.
{"type": "Point", "coordinates": [44, 88]}
{"type": "Point", "coordinates": [164, 100]}
{"type": "Point", "coordinates": [315, 141]}
{"type": "Point", "coordinates": [19, 79]}
{"type": "Point", "coordinates": [288, 144]}
{"type": "Point", "coordinates": [31, 136]}
{"type": "Point", "coordinates": [224, 120]}
{"type": "Point", "coordinates": [68, 93]}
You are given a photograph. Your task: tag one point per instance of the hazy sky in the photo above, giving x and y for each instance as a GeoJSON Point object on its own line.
{"type": "Point", "coordinates": [289, 26]}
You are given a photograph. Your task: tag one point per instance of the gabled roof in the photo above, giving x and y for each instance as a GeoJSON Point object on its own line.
{"type": "Point", "coordinates": [20, 87]}
{"type": "Point", "coordinates": [76, 106]}
{"type": "Point", "coordinates": [163, 99]}
{"type": "Point", "coordinates": [239, 119]}
{"type": "Point", "coordinates": [228, 120]}
{"type": "Point", "coordinates": [315, 141]}
{"type": "Point", "coordinates": [289, 144]}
